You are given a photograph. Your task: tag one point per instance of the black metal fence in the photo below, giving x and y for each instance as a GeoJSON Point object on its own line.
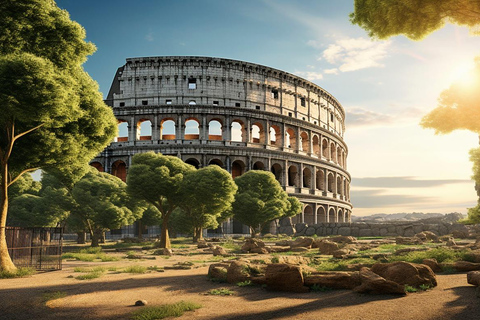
{"type": "Point", "coordinates": [39, 248]}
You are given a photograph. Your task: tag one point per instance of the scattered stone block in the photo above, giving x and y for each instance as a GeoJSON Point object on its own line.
{"type": "Point", "coordinates": [403, 273]}
{"type": "Point", "coordinates": [285, 277]}
{"type": "Point", "coordinates": [374, 284]}
{"type": "Point", "coordinates": [334, 280]}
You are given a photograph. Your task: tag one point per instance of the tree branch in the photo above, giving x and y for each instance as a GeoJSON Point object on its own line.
{"type": "Point", "coordinates": [27, 132]}
{"type": "Point", "coordinates": [21, 174]}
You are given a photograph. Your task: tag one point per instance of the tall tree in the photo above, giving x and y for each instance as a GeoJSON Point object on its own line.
{"type": "Point", "coordinates": [261, 199]}
{"type": "Point", "coordinates": [413, 18]}
{"type": "Point", "coordinates": [157, 179]}
{"type": "Point", "coordinates": [52, 113]}
{"type": "Point", "coordinates": [207, 193]}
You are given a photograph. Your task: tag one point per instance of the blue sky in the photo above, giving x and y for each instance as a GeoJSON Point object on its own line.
{"type": "Point", "coordinates": [385, 86]}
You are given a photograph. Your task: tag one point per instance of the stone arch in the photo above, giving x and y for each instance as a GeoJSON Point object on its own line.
{"type": "Point", "coordinates": [316, 146]}
{"type": "Point", "coordinates": [320, 180]}
{"type": "Point", "coordinates": [275, 136]}
{"type": "Point", "coordinates": [144, 129]}
{"type": "Point", "coordinates": [331, 215]}
{"type": "Point", "coordinates": [339, 185]}
{"type": "Point", "coordinates": [308, 215]}
{"type": "Point", "coordinates": [192, 129]}
{"type": "Point", "coordinates": [238, 168]}
{"type": "Point", "coordinates": [215, 130]}
{"type": "Point", "coordinates": [325, 152]}
{"type": "Point", "coordinates": [216, 162]}
{"type": "Point", "coordinates": [167, 129]}
{"type": "Point", "coordinates": [290, 139]}
{"type": "Point", "coordinates": [238, 131]}
{"type": "Point", "coordinates": [333, 150]}
{"type": "Point", "coordinates": [307, 178]}
{"type": "Point", "coordinates": [277, 172]}
{"type": "Point", "coordinates": [321, 214]}
{"type": "Point", "coordinates": [97, 165]}
{"type": "Point", "coordinates": [192, 102]}
{"type": "Point", "coordinates": [293, 176]}
{"type": "Point", "coordinates": [194, 162]}
{"type": "Point", "coordinates": [119, 170]}
{"type": "Point", "coordinates": [339, 156]}
{"type": "Point", "coordinates": [122, 131]}
{"type": "Point", "coordinates": [331, 182]}
{"type": "Point", "coordinates": [340, 215]}
{"type": "Point", "coordinates": [258, 166]}
{"type": "Point", "coordinates": [305, 142]}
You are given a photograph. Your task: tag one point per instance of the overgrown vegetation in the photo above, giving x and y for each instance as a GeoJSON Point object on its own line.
{"type": "Point", "coordinates": [442, 255]}
{"type": "Point", "coordinates": [333, 264]}
{"type": "Point", "coordinates": [20, 272]}
{"type": "Point", "coordinates": [221, 292]}
{"type": "Point", "coordinates": [246, 283]}
{"type": "Point", "coordinates": [164, 311]}
{"type": "Point", "coordinates": [89, 255]}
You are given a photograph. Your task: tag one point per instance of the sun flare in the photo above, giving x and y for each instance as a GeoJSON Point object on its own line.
{"type": "Point", "coordinates": [463, 73]}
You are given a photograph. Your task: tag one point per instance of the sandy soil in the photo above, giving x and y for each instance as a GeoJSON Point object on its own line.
{"type": "Point", "coordinates": [112, 297]}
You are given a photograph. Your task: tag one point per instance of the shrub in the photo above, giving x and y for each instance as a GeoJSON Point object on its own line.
{"type": "Point", "coordinates": [221, 292]}
{"type": "Point", "coordinates": [164, 311]}
{"type": "Point", "coordinates": [19, 273]}
{"type": "Point", "coordinates": [245, 283]}
{"type": "Point", "coordinates": [135, 269]}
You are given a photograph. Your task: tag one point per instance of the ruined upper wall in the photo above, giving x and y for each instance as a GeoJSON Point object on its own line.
{"type": "Point", "coordinates": [184, 80]}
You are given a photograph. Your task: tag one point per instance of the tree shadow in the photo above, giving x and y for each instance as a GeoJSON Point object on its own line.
{"type": "Point", "coordinates": [467, 301]}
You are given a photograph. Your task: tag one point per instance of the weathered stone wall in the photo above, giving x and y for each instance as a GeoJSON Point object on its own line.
{"type": "Point", "coordinates": [363, 229]}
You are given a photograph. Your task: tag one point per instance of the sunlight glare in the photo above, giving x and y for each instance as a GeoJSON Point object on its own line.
{"type": "Point", "coordinates": [463, 73]}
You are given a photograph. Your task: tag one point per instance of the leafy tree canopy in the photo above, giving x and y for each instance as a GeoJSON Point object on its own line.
{"type": "Point", "coordinates": [413, 18]}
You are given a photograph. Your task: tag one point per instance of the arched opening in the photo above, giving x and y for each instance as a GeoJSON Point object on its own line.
{"type": "Point", "coordinates": [258, 166]}
{"type": "Point", "coordinates": [325, 152]}
{"type": "Point", "coordinates": [277, 171]}
{"type": "Point", "coordinates": [321, 215]}
{"type": "Point", "coordinates": [293, 176]}
{"type": "Point", "coordinates": [256, 133]}
{"type": "Point", "coordinates": [290, 141]}
{"type": "Point", "coordinates": [339, 156]}
{"type": "Point", "coordinates": [192, 102]}
{"type": "Point", "coordinates": [144, 130]}
{"type": "Point", "coordinates": [122, 131]}
{"type": "Point", "coordinates": [192, 129]}
{"type": "Point", "coordinates": [347, 194]}
{"type": "Point", "coordinates": [307, 178]}
{"type": "Point", "coordinates": [305, 142]}
{"type": "Point", "coordinates": [119, 170]}
{"type": "Point", "coordinates": [331, 215]}
{"type": "Point", "coordinates": [167, 130]}
{"type": "Point", "coordinates": [308, 216]}
{"type": "Point", "coordinates": [215, 130]}
{"type": "Point", "coordinates": [194, 162]}
{"type": "Point", "coordinates": [316, 146]}
{"type": "Point", "coordinates": [237, 133]}
{"type": "Point", "coordinates": [339, 186]}
{"type": "Point", "coordinates": [275, 136]}
{"type": "Point", "coordinates": [98, 166]}
{"type": "Point", "coordinates": [320, 180]}
{"type": "Point", "coordinates": [333, 156]}
{"type": "Point", "coordinates": [216, 162]}
{"type": "Point", "coordinates": [238, 168]}
{"type": "Point", "coordinates": [331, 183]}
{"type": "Point", "coordinates": [341, 217]}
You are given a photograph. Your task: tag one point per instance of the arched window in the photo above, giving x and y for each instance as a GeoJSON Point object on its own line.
{"type": "Point", "coordinates": [307, 178]}
{"type": "Point", "coordinates": [192, 102]}
{"type": "Point", "coordinates": [98, 166]}
{"type": "Point", "coordinates": [215, 130]}
{"type": "Point", "coordinates": [308, 216]}
{"type": "Point", "coordinates": [238, 168]}
{"type": "Point", "coordinates": [122, 131]}
{"type": "Point", "coordinates": [194, 162]}
{"type": "Point", "coordinates": [320, 180]}
{"type": "Point", "coordinates": [255, 133]}
{"type": "Point", "coordinates": [331, 215]}
{"type": "Point", "coordinates": [119, 170]}
{"type": "Point", "coordinates": [321, 214]}
{"type": "Point", "coordinates": [325, 151]}
{"type": "Point", "coordinates": [192, 131]}
{"type": "Point", "coordinates": [292, 176]}
{"type": "Point", "coordinates": [316, 146]}
{"type": "Point", "coordinates": [237, 132]}
{"type": "Point", "coordinates": [331, 183]}
{"type": "Point", "coordinates": [305, 142]}
{"type": "Point", "coordinates": [167, 130]}
{"type": "Point", "coordinates": [290, 140]}
{"type": "Point", "coordinates": [144, 130]}
{"type": "Point", "coordinates": [216, 162]}
{"type": "Point", "coordinates": [258, 166]}
{"type": "Point", "coordinates": [277, 171]}
{"type": "Point", "coordinates": [275, 136]}
{"type": "Point", "coordinates": [333, 149]}
{"type": "Point", "coordinates": [339, 186]}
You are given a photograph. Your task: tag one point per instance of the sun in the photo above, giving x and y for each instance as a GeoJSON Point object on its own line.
{"type": "Point", "coordinates": [463, 74]}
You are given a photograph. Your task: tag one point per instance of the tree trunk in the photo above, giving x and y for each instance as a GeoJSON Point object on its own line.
{"type": "Point", "coordinates": [6, 263]}
{"type": "Point", "coordinates": [139, 229]}
{"type": "Point", "coordinates": [253, 232]}
{"type": "Point", "coordinates": [81, 237]}
{"type": "Point", "coordinates": [96, 235]}
{"type": "Point", "coordinates": [164, 238]}
{"type": "Point", "coordinates": [103, 237]}
{"type": "Point", "coordinates": [197, 234]}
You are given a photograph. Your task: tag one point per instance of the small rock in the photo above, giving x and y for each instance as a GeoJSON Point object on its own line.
{"type": "Point", "coordinates": [466, 266]}
{"type": "Point", "coordinates": [433, 264]}
{"type": "Point", "coordinates": [299, 249]}
{"type": "Point", "coordinates": [219, 251]}
{"type": "Point", "coordinates": [473, 277]}
{"type": "Point", "coordinates": [326, 246]}
{"type": "Point", "coordinates": [340, 253]}
{"type": "Point", "coordinates": [140, 303]}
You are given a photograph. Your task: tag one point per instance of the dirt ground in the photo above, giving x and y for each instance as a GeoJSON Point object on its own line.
{"type": "Point", "coordinates": [113, 295]}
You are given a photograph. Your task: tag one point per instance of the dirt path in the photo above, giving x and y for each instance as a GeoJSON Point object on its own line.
{"type": "Point", "coordinates": [112, 296]}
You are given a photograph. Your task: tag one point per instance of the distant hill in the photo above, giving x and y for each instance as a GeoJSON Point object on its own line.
{"type": "Point", "coordinates": [380, 217]}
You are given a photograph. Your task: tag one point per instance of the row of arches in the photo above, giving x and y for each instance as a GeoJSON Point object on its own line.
{"type": "Point", "coordinates": [273, 135]}
{"type": "Point", "coordinates": [324, 214]}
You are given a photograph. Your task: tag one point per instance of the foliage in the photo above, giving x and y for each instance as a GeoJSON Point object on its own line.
{"type": "Point", "coordinates": [157, 179]}
{"type": "Point", "coordinates": [89, 256]}
{"type": "Point", "coordinates": [261, 199]}
{"type": "Point", "coordinates": [18, 273]}
{"type": "Point", "coordinates": [340, 265]}
{"type": "Point", "coordinates": [165, 311]}
{"type": "Point", "coordinates": [413, 18]}
{"type": "Point", "coordinates": [410, 289]}
{"type": "Point", "coordinates": [207, 193]}
{"type": "Point", "coordinates": [135, 269]}
{"type": "Point", "coordinates": [440, 254]}
{"type": "Point", "coordinates": [246, 283]}
{"type": "Point", "coordinates": [48, 296]}
{"type": "Point", "coordinates": [221, 292]}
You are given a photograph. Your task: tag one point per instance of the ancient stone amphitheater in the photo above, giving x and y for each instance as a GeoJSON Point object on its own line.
{"type": "Point", "coordinates": [240, 116]}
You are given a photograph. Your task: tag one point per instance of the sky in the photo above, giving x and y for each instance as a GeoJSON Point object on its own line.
{"type": "Point", "coordinates": [386, 87]}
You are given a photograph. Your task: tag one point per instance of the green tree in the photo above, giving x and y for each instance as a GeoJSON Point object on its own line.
{"type": "Point", "coordinates": [103, 203]}
{"type": "Point", "coordinates": [261, 199]}
{"type": "Point", "coordinates": [413, 18]}
{"type": "Point", "coordinates": [157, 179]}
{"type": "Point", "coordinates": [207, 193]}
{"type": "Point", "coordinates": [52, 113]}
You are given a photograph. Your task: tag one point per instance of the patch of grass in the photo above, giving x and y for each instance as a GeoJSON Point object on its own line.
{"type": "Point", "coordinates": [89, 255]}
{"type": "Point", "coordinates": [132, 255]}
{"type": "Point", "coordinates": [19, 273]}
{"type": "Point", "coordinates": [410, 288]}
{"type": "Point", "coordinates": [340, 265]}
{"type": "Point", "coordinates": [231, 245]}
{"type": "Point", "coordinates": [245, 283]}
{"type": "Point", "coordinates": [155, 268]}
{"type": "Point", "coordinates": [221, 292]}
{"type": "Point", "coordinates": [48, 296]}
{"type": "Point", "coordinates": [89, 276]}
{"type": "Point", "coordinates": [318, 288]}
{"type": "Point", "coordinates": [275, 260]}
{"type": "Point", "coordinates": [164, 311]}
{"type": "Point", "coordinates": [425, 287]}
{"type": "Point", "coordinates": [87, 270]}
{"type": "Point", "coordinates": [442, 255]}
{"type": "Point", "coordinates": [112, 268]}
{"type": "Point", "coordinates": [135, 269]}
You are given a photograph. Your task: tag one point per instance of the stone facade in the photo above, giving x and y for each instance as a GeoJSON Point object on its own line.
{"type": "Point", "coordinates": [240, 116]}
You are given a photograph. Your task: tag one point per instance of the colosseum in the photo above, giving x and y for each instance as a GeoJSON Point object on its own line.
{"type": "Point", "coordinates": [238, 115]}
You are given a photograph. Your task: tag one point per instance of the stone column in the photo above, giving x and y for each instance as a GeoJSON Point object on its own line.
{"type": "Point", "coordinates": [315, 221]}
{"type": "Point", "coordinates": [248, 131]}
{"type": "Point", "coordinates": [310, 144]}
{"type": "Point", "coordinates": [132, 129]}
{"type": "Point", "coordinates": [155, 129]}
{"type": "Point", "coordinates": [297, 139]}
{"type": "Point", "coordinates": [267, 133]}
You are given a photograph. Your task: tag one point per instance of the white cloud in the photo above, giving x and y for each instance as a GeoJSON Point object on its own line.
{"type": "Point", "coordinates": [362, 117]}
{"type": "Point", "coordinates": [149, 37]}
{"type": "Point", "coordinates": [331, 71]}
{"type": "Point", "coordinates": [309, 75]}
{"type": "Point", "coordinates": [354, 54]}
{"type": "Point", "coordinates": [314, 44]}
